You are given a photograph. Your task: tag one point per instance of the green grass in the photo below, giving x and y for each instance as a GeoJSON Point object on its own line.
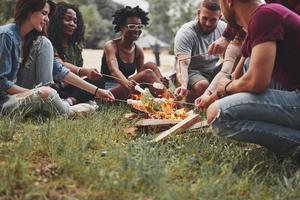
{"type": "Point", "coordinates": [93, 158]}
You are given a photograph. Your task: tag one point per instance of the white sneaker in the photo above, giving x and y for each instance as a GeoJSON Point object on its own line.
{"type": "Point", "coordinates": [82, 109]}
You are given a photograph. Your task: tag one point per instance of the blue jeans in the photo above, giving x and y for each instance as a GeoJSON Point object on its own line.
{"type": "Point", "coordinates": [36, 71]}
{"type": "Point", "coordinates": [270, 119]}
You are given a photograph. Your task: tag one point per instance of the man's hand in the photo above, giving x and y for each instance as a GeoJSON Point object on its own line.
{"type": "Point", "coordinates": [91, 73]}
{"type": "Point", "coordinates": [105, 95]}
{"type": "Point", "coordinates": [219, 46]}
{"type": "Point", "coordinates": [180, 92]}
{"type": "Point", "coordinates": [221, 87]}
{"type": "Point", "coordinates": [205, 100]}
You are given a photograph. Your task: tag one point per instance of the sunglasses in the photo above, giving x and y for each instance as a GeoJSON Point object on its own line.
{"type": "Point", "coordinates": [133, 27]}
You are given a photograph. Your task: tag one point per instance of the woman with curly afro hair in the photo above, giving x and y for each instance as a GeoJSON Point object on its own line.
{"type": "Point", "coordinates": [66, 32]}
{"type": "Point", "coordinates": [122, 57]}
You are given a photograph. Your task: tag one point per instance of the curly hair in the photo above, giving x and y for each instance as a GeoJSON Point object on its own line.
{"type": "Point", "coordinates": [56, 26]}
{"type": "Point", "coordinates": [121, 15]}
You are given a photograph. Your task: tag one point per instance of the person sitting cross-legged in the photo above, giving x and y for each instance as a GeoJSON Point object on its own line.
{"type": "Point", "coordinates": [122, 57]}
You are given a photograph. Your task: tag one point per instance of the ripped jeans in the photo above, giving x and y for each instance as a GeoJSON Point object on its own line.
{"type": "Point", "coordinates": [33, 102]}
{"type": "Point", "coordinates": [37, 71]}
{"type": "Point", "coordinates": [270, 119]}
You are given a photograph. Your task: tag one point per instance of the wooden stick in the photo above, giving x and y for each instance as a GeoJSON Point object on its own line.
{"type": "Point", "coordinates": [109, 76]}
{"type": "Point", "coordinates": [156, 122]}
{"type": "Point", "coordinates": [187, 122]}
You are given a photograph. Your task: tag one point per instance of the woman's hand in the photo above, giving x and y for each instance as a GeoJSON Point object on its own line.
{"type": "Point", "coordinates": [130, 84]}
{"type": "Point", "coordinates": [91, 73]}
{"type": "Point", "coordinates": [105, 95]}
{"type": "Point", "coordinates": [165, 81]}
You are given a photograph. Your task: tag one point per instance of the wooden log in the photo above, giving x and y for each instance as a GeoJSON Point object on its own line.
{"type": "Point", "coordinates": [187, 122]}
{"type": "Point", "coordinates": [156, 122]}
{"type": "Point", "coordinates": [199, 125]}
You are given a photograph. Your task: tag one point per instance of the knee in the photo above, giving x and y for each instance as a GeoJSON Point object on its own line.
{"type": "Point", "coordinates": [200, 87]}
{"type": "Point", "coordinates": [147, 74]}
{"type": "Point", "coordinates": [212, 112]}
{"type": "Point", "coordinates": [43, 44]}
{"type": "Point", "coordinates": [46, 92]}
{"type": "Point", "coordinates": [150, 65]}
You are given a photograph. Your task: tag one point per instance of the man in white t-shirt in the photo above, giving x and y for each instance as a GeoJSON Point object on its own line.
{"type": "Point", "coordinates": [194, 67]}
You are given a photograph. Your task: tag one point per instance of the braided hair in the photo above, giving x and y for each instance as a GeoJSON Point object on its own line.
{"type": "Point", "coordinates": [121, 15]}
{"type": "Point", "coordinates": [56, 26]}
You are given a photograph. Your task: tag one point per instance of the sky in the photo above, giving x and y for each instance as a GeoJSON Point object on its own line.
{"type": "Point", "coordinates": [144, 5]}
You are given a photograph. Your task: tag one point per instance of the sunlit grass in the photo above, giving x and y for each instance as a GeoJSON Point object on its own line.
{"type": "Point", "coordinates": [93, 158]}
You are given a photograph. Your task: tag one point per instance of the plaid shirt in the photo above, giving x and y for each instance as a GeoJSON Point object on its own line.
{"type": "Point", "coordinates": [231, 30]}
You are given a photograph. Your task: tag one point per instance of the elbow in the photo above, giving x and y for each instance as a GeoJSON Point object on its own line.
{"type": "Point", "coordinates": [113, 73]}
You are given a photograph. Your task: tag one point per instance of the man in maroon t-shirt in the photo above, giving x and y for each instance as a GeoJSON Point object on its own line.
{"type": "Point", "coordinates": [250, 111]}
{"type": "Point", "coordinates": [219, 46]}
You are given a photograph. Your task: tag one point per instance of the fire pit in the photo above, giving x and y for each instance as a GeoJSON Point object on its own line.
{"type": "Point", "coordinates": [162, 112]}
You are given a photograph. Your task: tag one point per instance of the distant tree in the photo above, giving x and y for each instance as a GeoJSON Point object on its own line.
{"type": "Point", "coordinates": [107, 8]}
{"type": "Point", "coordinates": [6, 10]}
{"type": "Point", "coordinates": [167, 16]}
{"type": "Point", "coordinates": [96, 28]}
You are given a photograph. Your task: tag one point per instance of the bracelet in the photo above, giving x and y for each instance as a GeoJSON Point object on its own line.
{"type": "Point", "coordinates": [78, 71]}
{"type": "Point", "coordinates": [209, 92]}
{"type": "Point", "coordinates": [96, 91]}
{"type": "Point", "coordinates": [225, 88]}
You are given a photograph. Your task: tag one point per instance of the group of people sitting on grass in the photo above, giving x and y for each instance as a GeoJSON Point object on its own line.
{"type": "Point", "coordinates": [252, 95]}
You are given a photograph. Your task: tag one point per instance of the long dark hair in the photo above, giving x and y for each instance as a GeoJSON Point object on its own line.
{"type": "Point", "coordinates": [22, 10]}
{"type": "Point", "coordinates": [56, 26]}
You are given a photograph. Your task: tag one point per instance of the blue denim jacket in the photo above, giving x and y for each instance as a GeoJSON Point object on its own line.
{"type": "Point", "coordinates": [10, 59]}
{"type": "Point", "coordinates": [9, 55]}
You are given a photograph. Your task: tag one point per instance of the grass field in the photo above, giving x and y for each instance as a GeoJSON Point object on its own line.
{"type": "Point", "coordinates": [96, 157]}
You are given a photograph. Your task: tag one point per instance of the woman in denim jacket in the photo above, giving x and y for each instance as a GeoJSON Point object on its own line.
{"type": "Point", "coordinates": [16, 40]}
{"type": "Point", "coordinates": [26, 62]}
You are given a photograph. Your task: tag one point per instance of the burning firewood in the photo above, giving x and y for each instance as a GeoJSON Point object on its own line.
{"type": "Point", "coordinates": [157, 108]}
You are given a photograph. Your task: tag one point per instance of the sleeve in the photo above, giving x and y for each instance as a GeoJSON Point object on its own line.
{"type": "Point", "coordinates": [183, 42]}
{"type": "Point", "coordinates": [267, 26]}
{"type": "Point", "coordinates": [59, 71]}
{"type": "Point", "coordinates": [6, 45]}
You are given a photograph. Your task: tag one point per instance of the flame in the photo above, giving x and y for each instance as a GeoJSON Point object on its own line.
{"type": "Point", "coordinates": [160, 108]}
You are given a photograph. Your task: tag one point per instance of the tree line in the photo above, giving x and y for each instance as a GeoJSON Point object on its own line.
{"type": "Point", "coordinates": [166, 17]}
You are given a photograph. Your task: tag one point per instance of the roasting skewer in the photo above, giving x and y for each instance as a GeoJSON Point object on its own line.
{"type": "Point", "coordinates": [156, 85]}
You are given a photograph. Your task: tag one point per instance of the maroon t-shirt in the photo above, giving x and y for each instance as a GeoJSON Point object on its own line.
{"type": "Point", "coordinates": [273, 22]}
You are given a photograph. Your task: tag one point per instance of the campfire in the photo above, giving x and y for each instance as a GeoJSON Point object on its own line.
{"type": "Point", "coordinates": [157, 108]}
